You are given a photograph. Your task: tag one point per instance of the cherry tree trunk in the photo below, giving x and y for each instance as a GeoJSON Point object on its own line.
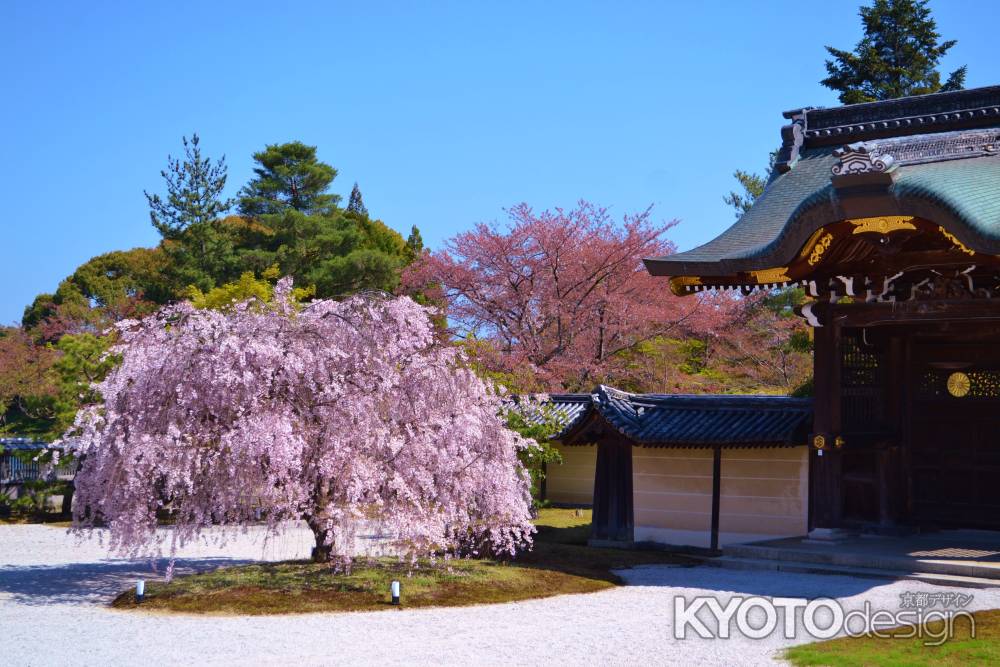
{"type": "Point", "coordinates": [324, 541]}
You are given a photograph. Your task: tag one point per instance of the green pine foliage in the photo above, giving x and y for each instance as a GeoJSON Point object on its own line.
{"type": "Point", "coordinates": [753, 187]}
{"type": "Point", "coordinates": [752, 184]}
{"type": "Point", "coordinates": [897, 56]}
{"type": "Point", "coordinates": [42, 388]}
{"type": "Point", "coordinates": [356, 204]}
{"type": "Point", "coordinates": [415, 242]}
{"type": "Point", "coordinates": [539, 422]}
{"type": "Point", "coordinates": [289, 223]}
{"type": "Point", "coordinates": [83, 362]}
{"type": "Point", "coordinates": [288, 177]}
{"type": "Point", "coordinates": [194, 189]}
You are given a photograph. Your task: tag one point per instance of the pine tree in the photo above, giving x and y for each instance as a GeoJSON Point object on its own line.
{"type": "Point", "coordinates": [355, 204]}
{"type": "Point", "coordinates": [753, 186]}
{"type": "Point", "coordinates": [898, 56]}
{"type": "Point", "coordinates": [415, 242]}
{"type": "Point", "coordinates": [289, 177]}
{"type": "Point", "coordinates": [194, 186]}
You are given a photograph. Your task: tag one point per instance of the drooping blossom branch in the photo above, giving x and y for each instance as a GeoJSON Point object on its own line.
{"type": "Point", "coordinates": [340, 414]}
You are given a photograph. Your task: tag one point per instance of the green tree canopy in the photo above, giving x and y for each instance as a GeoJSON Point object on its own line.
{"type": "Point", "coordinates": [898, 56]}
{"type": "Point", "coordinates": [415, 242]}
{"type": "Point", "coordinates": [224, 297]}
{"type": "Point", "coordinates": [122, 277]}
{"type": "Point", "coordinates": [288, 176]}
{"type": "Point", "coordinates": [194, 189]}
{"type": "Point", "coordinates": [296, 229]}
{"type": "Point", "coordinates": [338, 253]}
{"type": "Point", "coordinates": [356, 204]}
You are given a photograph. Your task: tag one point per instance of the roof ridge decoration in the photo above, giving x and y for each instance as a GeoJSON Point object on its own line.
{"type": "Point", "coordinates": [934, 158]}
{"type": "Point", "coordinates": [862, 157]}
{"type": "Point", "coordinates": [921, 114]}
{"type": "Point", "coordinates": [617, 405]}
{"type": "Point", "coordinates": [883, 156]}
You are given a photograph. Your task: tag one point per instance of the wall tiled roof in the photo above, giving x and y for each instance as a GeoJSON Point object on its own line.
{"type": "Point", "coordinates": [668, 420]}
{"type": "Point", "coordinates": [22, 444]}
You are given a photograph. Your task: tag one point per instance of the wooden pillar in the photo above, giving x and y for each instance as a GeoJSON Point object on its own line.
{"type": "Point", "coordinates": [892, 492]}
{"type": "Point", "coordinates": [612, 517]}
{"type": "Point", "coordinates": [716, 493]}
{"type": "Point", "coordinates": [825, 465]}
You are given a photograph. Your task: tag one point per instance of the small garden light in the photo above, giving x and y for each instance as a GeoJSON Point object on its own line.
{"type": "Point", "coordinates": [395, 592]}
{"type": "Point", "coordinates": [140, 590]}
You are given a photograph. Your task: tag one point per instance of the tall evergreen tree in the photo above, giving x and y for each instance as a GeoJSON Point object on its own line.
{"type": "Point", "coordinates": [356, 204]}
{"type": "Point", "coordinates": [194, 189]}
{"type": "Point", "coordinates": [753, 185]}
{"type": "Point", "coordinates": [306, 235]}
{"type": "Point", "coordinates": [415, 242]}
{"type": "Point", "coordinates": [288, 177]}
{"type": "Point", "coordinates": [898, 56]}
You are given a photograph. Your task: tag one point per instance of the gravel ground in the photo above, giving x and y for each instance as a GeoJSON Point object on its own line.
{"type": "Point", "coordinates": [53, 593]}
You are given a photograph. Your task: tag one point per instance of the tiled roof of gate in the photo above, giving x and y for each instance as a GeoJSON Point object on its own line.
{"type": "Point", "coordinates": [669, 420]}
{"type": "Point", "coordinates": [931, 136]}
{"type": "Point", "coordinates": [22, 444]}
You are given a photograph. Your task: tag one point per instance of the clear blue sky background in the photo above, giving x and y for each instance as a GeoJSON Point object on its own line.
{"type": "Point", "coordinates": [445, 113]}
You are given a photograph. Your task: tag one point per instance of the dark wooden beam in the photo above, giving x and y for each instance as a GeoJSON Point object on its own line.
{"type": "Point", "coordinates": [716, 493]}
{"type": "Point", "coordinates": [902, 312]}
{"type": "Point", "coordinates": [887, 265]}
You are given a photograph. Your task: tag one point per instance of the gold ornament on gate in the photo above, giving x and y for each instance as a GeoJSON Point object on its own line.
{"type": "Point", "coordinates": [819, 442]}
{"type": "Point", "coordinates": [882, 225]}
{"type": "Point", "coordinates": [959, 384]}
{"type": "Point", "coordinates": [821, 247]}
{"type": "Point", "coordinates": [778, 275]}
{"type": "Point", "coordinates": [954, 240]}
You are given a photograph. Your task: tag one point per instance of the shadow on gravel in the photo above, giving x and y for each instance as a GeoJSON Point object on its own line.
{"type": "Point", "coordinates": [91, 583]}
{"type": "Point", "coordinates": [749, 582]}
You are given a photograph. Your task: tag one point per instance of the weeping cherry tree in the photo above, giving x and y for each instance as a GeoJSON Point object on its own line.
{"type": "Point", "coordinates": [335, 413]}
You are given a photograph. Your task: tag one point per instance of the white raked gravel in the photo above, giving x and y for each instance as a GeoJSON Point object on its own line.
{"type": "Point", "coordinates": [53, 595]}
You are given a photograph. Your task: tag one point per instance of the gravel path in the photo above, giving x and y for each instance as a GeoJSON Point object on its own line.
{"type": "Point", "coordinates": [53, 590]}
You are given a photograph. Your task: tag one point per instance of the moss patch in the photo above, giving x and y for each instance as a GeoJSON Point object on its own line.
{"type": "Point", "coordinates": [912, 652]}
{"type": "Point", "coordinates": [560, 563]}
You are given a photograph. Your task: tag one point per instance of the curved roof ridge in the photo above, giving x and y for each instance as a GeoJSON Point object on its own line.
{"type": "Point", "coordinates": [689, 420]}
{"type": "Point", "coordinates": [617, 407]}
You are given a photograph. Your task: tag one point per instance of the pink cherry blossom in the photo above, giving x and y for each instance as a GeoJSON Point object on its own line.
{"type": "Point", "coordinates": [336, 413]}
{"type": "Point", "coordinates": [562, 295]}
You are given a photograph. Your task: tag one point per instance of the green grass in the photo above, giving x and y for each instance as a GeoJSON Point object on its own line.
{"type": "Point", "coordinates": [560, 563]}
{"type": "Point", "coordinates": [886, 652]}
{"type": "Point", "coordinates": [52, 519]}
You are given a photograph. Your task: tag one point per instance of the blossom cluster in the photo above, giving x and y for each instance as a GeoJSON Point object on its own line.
{"type": "Point", "coordinates": [339, 413]}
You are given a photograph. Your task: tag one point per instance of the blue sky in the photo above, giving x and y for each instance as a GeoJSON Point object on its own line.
{"type": "Point", "coordinates": [445, 113]}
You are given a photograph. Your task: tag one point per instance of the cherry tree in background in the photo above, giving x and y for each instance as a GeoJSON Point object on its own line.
{"type": "Point", "coordinates": [560, 296]}
{"type": "Point", "coordinates": [765, 346]}
{"type": "Point", "coordinates": [333, 413]}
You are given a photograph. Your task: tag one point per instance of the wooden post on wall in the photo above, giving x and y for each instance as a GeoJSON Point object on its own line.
{"type": "Point", "coordinates": [612, 516]}
{"type": "Point", "coordinates": [825, 465]}
{"type": "Point", "coordinates": [716, 493]}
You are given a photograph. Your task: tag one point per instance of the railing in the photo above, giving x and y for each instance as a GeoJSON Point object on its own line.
{"type": "Point", "coordinates": [17, 466]}
{"type": "Point", "coordinates": [13, 470]}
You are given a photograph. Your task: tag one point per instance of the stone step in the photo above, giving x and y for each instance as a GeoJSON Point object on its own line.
{"type": "Point", "coordinates": [833, 555]}
{"type": "Point", "coordinates": [799, 567]}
